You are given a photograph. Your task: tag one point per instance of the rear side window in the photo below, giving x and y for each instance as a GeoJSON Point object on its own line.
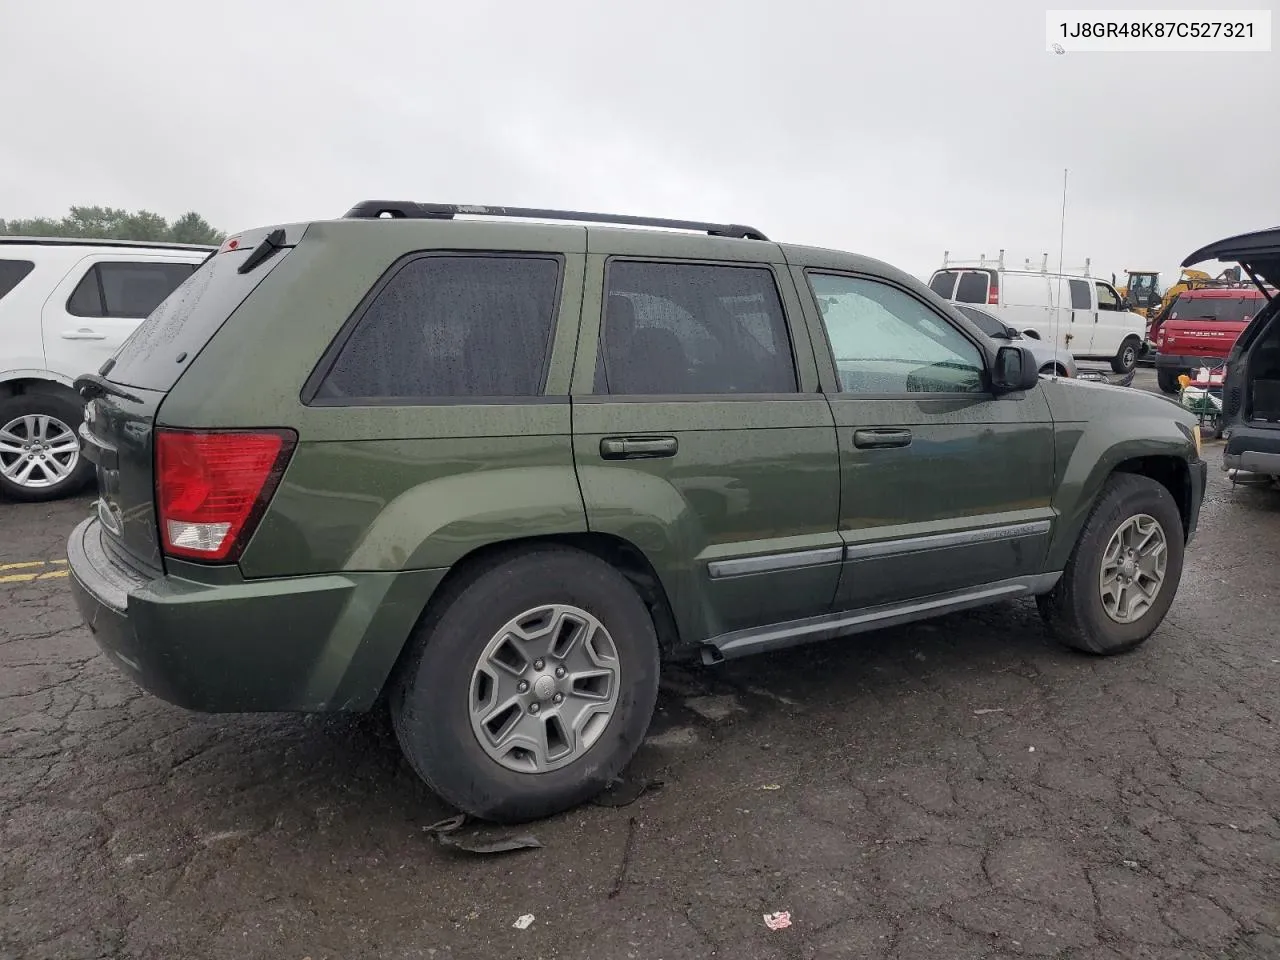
{"type": "Point", "coordinates": [677, 328]}
{"type": "Point", "coordinates": [449, 327]}
{"type": "Point", "coordinates": [1080, 299]}
{"type": "Point", "coordinates": [164, 344]}
{"type": "Point", "coordinates": [972, 288]}
{"type": "Point", "coordinates": [126, 290]}
{"type": "Point", "coordinates": [943, 283]}
{"type": "Point", "coordinates": [12, 272]}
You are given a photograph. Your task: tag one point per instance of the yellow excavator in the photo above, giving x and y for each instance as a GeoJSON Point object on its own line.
{"type": "Point", "coordinates": [1142, 295]}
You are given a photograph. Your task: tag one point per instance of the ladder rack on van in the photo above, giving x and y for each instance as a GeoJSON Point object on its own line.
{"type": "Point", "coordinates": [999, 264]}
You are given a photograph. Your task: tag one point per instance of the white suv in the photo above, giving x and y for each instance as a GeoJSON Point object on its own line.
{"type": "Point", "coordinates": [65, 307]}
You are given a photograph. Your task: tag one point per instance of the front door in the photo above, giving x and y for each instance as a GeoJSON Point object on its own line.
{"type": "Point", "coordinates": [945, 487]}
{"type": "Point", "coordinates": [1112, 322]}
{"type": "Point", "coordinates": [101, 301]}
{"type": "Point", "coordinates": [700, 435]}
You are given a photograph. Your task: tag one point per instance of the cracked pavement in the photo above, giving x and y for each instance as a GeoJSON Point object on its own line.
{"type": "Point", "coordinates": [955, 790]}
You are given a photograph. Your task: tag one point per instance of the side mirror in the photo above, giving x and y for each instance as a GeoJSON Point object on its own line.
{"type": "Point", "coordinates": [1011, 333]}
{"type": "Point", "coordinates": [1015, 370]}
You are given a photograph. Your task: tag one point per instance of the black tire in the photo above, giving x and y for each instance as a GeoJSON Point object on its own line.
{"type": "Point", "coordinates": [1167, 381]}
{"type": "Point", "coordinates": [66, 411]}
{"type": "Point", "coordinates": [1127, 358]}
{"type": "Point", "coordinates": [431, 692]}
{"type": "Point", "coordinates": [1074, 611]}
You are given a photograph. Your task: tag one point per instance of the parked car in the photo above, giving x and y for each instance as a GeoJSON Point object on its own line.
{"type": "Point", "coordinates": [1200, 328]}
{"type": "Point", "coordinates": [65, 307]}
{"type": "Point", "coordinates": [1251, 389]}
{"type": "Point", "coordinates": [1078, 313]}
{"type": "Point", "coordinates": [1049, 359]}
{"type": "Point", "coordinates": [497, 471]}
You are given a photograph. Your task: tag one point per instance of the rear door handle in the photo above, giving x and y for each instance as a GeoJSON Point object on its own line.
{"type": "Point", "coordinates": [879, 439]}
{"type": "Point", "coordinates": [637, 448]}
{"type": "Point", "coordinates": [84, 333]}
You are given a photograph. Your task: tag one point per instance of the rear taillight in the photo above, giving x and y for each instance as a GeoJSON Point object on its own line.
{"type": "Point", "coordinates": [993, 291]}
{"type": "Point", "coordinates": [213, 487]}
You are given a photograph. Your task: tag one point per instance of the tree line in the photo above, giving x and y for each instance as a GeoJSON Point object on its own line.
{"type": "Point", "coordinates": [108, 223]}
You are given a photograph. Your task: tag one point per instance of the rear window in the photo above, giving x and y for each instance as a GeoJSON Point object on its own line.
{"type": "Point", "coordinates": [165, 343]}
{"type": "Point", "coordinates": [972, 288]}
{"type": "Point", "coordinates": [449, 327]}
{"type": "Point", "coordinates": [943, 283]}
{"type": "Point", "coordinates": [1239, 309]}
{"type": "Point", "coordinates": [127, 291]}
{"type": "Point", "coordinates": [12, 273]}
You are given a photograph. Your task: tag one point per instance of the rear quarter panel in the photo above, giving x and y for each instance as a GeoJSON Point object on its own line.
{"type": "Point", "coordinates": [383, 488]}
{"type": "Point", "coordinates": [1097, 428]}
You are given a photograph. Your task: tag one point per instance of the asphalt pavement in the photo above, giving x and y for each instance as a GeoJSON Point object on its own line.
{"type": "Point", "coordinates": [954, 790]}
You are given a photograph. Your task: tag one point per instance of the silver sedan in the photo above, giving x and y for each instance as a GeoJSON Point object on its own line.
{"type": "Point", "coordinates": [1049, 359]}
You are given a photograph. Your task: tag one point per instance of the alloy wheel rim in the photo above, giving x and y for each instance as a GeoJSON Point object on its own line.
{"type": "Point", "coordinates": [38, 451]}
{"type": "Point", "coordinates": [544, 688]}
{"type": "Point", "coordinates": [1133, 567]}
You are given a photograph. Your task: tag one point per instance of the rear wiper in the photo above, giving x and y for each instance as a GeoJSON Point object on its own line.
{"type": "Point", "coordinates": [92, 385]}
{"type": "Point", "coordinates": [271, 244]}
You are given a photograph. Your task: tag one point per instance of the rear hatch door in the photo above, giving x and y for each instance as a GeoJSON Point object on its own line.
{"type": "Point", "coordinates": [124, 397]}
{"type": "Point", "coordinates": [1207, 326]}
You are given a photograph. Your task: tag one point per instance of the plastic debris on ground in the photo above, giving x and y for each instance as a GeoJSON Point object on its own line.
{"type": "Point", "coordinates": [524, 922]}
{"type": "Point", "coordinates": [448, 833]}
{"type": "Point", "coordinates": [624, 791]}
{"type": "Point", "coordinates": [778, 921]}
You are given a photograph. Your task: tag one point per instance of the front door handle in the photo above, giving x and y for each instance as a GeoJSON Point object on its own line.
{"type": "Point", "coordinates": [84, 333]}
{"type": "Point", "coordinates": [637, 448]}
{"type": "Point", "coordinates": [881, 439]}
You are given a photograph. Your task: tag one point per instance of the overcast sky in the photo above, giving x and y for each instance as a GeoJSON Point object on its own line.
{"type": "Point", "coordinates": [894, 129]}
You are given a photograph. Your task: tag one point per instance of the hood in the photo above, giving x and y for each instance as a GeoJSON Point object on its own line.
{"type": "Point", "coordinates": [1258, 253]}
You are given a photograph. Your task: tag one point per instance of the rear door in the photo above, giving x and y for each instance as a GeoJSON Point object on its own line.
{"type": "Point", "coordinates": [102, 300]}
{"type": "Point", "coordinates": [700, 434]}
{"type": "Point", "coordinates": [944, 487]}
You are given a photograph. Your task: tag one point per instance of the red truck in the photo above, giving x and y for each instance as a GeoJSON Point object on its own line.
{"type": "Point", "coordinates": [1200, 328]}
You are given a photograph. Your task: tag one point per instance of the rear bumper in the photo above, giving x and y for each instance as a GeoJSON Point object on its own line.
{"type": "Point", "coordinates": [302, 643]}
{"type": "Point", "coordinates": [1179, 361]}
{"type": "Point", "coordinates": [1252, 449]}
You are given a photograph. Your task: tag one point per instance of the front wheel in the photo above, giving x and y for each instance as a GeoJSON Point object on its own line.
{"type": "Point", "coordinates": [530, 688]}
{"type": "Point", "coordinates": [1124, 571]}
{"type": "Point", "coordinates": [40, 447]}
{"type": "Point", "coordinates": [1127, 357]}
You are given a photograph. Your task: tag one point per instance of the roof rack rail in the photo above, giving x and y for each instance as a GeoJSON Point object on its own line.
{"type": "Point", "coordinates": [412, 210]}
{"type": "Point", "coordinates": [999, 264]}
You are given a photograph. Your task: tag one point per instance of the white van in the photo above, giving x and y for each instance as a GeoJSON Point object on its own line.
{"type": "Point", "coordinates": [66, 306]}
{"type": "Point", "coordinates": [1079, 313]}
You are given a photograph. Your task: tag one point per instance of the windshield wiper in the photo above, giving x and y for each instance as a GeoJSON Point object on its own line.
{"type": "Point", "coordinates": [92, 385]}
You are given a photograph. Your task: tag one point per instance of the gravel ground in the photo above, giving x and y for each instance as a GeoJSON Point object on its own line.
{"type": "Point", "coordinates": [953, 790]}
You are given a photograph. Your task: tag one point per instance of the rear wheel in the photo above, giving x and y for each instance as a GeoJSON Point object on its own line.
{"type": "Point", "coordinates": [1124, 571]}
{"type": "Point", "coordinates": [1167, 380]}
{"type": "Point", "coordinates": [40, 447]}
{"type": "Point", "coordinates": [530, 688]}
{"type": "Point", "coordinates": [1127, 358]}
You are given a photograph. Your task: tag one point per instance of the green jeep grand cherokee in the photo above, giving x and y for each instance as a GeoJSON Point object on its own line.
{"type": "Point", "coordinates": [499, 470]}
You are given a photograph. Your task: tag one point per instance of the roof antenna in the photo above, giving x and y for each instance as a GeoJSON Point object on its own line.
{"type": "Point", "coordinates": [1062, 234]}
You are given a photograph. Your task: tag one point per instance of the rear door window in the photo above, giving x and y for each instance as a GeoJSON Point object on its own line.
{"type": "Point", "coordinates": [972, 288]}
{"type": "Point", "coordinates": [1080, 296]}
{"type": "Point", "coordinates": [943, 283]}
{"type": "Point", "coordinates": [13, 272]}
{"type": "Point", "coordinates": [678, 329]}
{"type": "Point", "coordinates": [451, 327]}
{"type": "Point", "coordinates": [128, 291]}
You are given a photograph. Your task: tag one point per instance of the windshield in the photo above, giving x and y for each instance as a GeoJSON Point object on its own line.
{"type": "Point", "coordinates": [1237, 309]}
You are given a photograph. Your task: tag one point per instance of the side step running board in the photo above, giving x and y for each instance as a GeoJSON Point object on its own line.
{"type": "Point", "coordinates": [779, 636]}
